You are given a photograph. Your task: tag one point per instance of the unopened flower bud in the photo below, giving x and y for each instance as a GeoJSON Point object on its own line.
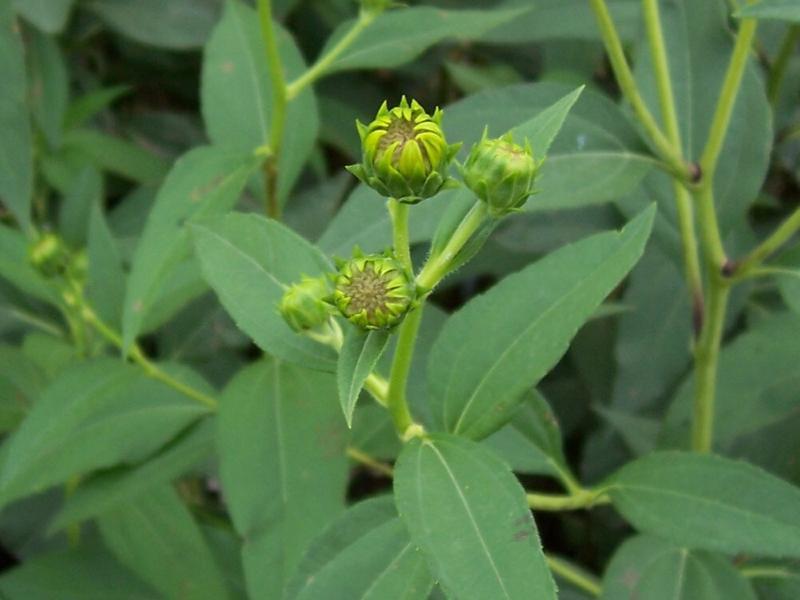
{"type": "Point", "coordinates": [48, 255]}
{"type": "Point", "coordinates": [404, 153]}
{"type": "Point", "coordinates": [303, 304]}
{"type": "Point", "coordinates": [373, 292]}
{"type": "Point", "coordinates": [501, 173]}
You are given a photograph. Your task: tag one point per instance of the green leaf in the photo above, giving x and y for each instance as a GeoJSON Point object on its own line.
{"type": "Point", "coordinates": [282, 422]}
{"type": "Point", "coordinates": [21, 382]}
{"type": "Point", "coordinates": [249, 261]}
{"type": "Point", "coordinates": [87, 106]}
{"type": "Point", "coordinates": [565, 20]}
{"type": "Point", "coordinates": [595, 157]}
{"type": "Point", "coordinates": [108, 490]}
{"type": "Point", "coordinates": [758, 383]}
{"type": "Point", "coordinates": [449, 489]}
{"type": "Point", "coordinates": [48, 84]}
{"type": "Point", "coordinates": [531, 442]}
{"type": "Point", "coordinates": [205, 181]}
{"type": "Point", "coordinates": [542, 129]}
{"type": "Point", "coordinates": [77, 424]}
{"type": "Point", "coordinates": [16, 145]}
{"type": "Point", "coordinates": [366, 554]}
{"type": "Point", "coordinates": [648, 567]}
{"type": "Point", "coordinates": [652, 349]}
{"type": "Point", "coordinates": [784, 10]}
{"type": "Point", "coordinates": [173, 24]}
{"type": "Point", "coordinates": [157, 538]}
{"type": "Point", "coordinates": [105, 287]}
{"type": "Point", "coordinates": [360, 353]}
{"type": "Point", "coordinates": [788, 277]}
{"type": "Point", "coordinates": [116, 155]}
{"type": "Point", "coordinates": [525, 324]}
{"type": "Point", "coordinates": [236, 92]}
{"type": "Point", "coordinates": [82, 573]}
{"type": "Point", "coordinates": [85, 191]}
{"type": "Point", "coordinates": [396, 36]}
{"type": "Point", "coordinates": [48, 15]}
{"type": "Point", "coordinates": [709, 502]}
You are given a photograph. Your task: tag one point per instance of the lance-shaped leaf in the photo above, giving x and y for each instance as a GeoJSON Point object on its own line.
{"type": "Point", "coordinates": [360, 353]}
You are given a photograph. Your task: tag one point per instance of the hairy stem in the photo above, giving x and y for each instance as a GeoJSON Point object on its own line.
{"type": "Point", "coordinates": [278, 109]}
{"type": "Point", "coordinates": [769, 246]}
{"type": "Point", "coordinates": [398, 377]}
{"type": "Point", "coordinates": [402, 247]}
{"type": "Point", "coordinates": [151, 369]}
{"type": "Point", "coordinates": [440, 263]}
{"type": "Point", "coordinates": [705, 366]}
{"type": "Point", "coordinates": [574, 575]}
{"type": "Point", "coordinates": [319, 68]}
{"type": "Point", "coordinates": [624, 76]}
{"type": "Point", "coordinates": [727, 99]}
{"type": "Point", "coordinates": [577, 500]}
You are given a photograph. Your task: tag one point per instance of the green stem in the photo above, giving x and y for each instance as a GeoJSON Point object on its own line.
{"type": "Point", "coordinates": [278, 108]}
{"type": "Point", "coordinates": [402, 247]}
{"type": "Point", "coordinates": [365, 459]}
{"type": "Point", "coordinates": [378, 387]}
{"type": "Point", "coordinates": [709, 229]}
{"type": "Point", "coordinates": [151, 369]}
{"type": "Point", "coordinates": [577, 500]}
{"type": "Point", "coordinates": [574, 575]}
{"type": "Point", "coordinates": [727, 99]}
{"type": "Point", "coordinates": [782, 59]}
{"type": "Point", "coordinates": [439, 264]}
{"type": "Point", "coordinates": [622, 71]}
{"type": "Point", "coordinates": [765, 249]}
{"type": "Point", "coordinates": [705, 369]}
{"type": "Point", "coordinates": [321, 66]}
{"type": "Point", "coordinates": [666, 96]}
{"type": "Point", "coordinates": [768, 572]}
{"type": "Point", "coordinates": [398, 376]}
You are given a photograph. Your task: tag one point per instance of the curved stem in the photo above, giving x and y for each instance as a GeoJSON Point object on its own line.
{"type": "Point", "coordinates": [378, 387]}
{"type": "Point", "coordinates": [780, 236]}
{"type": "Point", "coordinates": [706, 358]}
{"type": "Point", "coordinates": [402, 247]}
{"type": "Point", "coordinates": [574, 575]}
{"type": "Point", "coordinates": [622, 71]}
{"type": "Point", "coordinates": [278, 109]}
{"type": "Point", "coordinates": [398, 377]}
{"type": "Point", "coordinates": [782, 59]}
{"type": "Point", "coordinates": [320, 67]}
{"type": "Point", "coordinates": [151, 369]}
{"type": "Point", "coordinates": [439, 264]}
{"type": "Point", "coordinates": [727, 99]}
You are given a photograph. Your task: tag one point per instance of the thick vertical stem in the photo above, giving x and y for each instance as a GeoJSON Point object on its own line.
{"type": "Point", "coordinates": [398, 378]}
{"type": "Point", "coordinates": [402, 247]}
{"type": "Point", "coordinates": [705, 370]}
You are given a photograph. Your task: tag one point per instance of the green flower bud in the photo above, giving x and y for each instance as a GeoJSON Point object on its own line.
{"type": "Point", "coordinates": [48, 255]}
{"type": "Point", "coordinates": [303, 304]}
{"type": "Point", "coordinates": [501, 173]}
{"type": "Point", "coordinates": [405, 154]}
{"type": "Point", "coordinates": [374, 292]}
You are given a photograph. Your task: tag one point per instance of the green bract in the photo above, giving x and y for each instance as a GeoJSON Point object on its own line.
{"type": "Point", "coordinates": [374, 292]}
{"type": "Point", "coordinates": [48, 255]}
{"type": "Point", "coordinates": [303, 305]}
{"type": "Point", "coordinates": [404, 153]}
{"type": "Point", "coordinates": [501, 173]}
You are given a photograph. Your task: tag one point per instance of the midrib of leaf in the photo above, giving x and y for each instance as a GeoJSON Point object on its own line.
{"type": "Point", "coordinates": [622, 487]}
{"type": "Point", "coordinates": [388, 568]}
{"type": "Point", "coordinates": [253, 75]}
{"type": "Point", "coordinates": [466, 508]}
{"type": "Point", "coordinates": [547, 311]}
{"type": "Point", "coordinates": [679, 580]}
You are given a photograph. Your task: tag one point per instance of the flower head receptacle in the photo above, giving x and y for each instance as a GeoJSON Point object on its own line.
{"type": "Point", "coordinates": [373, 292]}
{"type": "Point", "coordinates": [303, 305]}
{"type": "Point", "coordinates": [501, 173]}
{"type": "Point", "coordinates": [404, 153]}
